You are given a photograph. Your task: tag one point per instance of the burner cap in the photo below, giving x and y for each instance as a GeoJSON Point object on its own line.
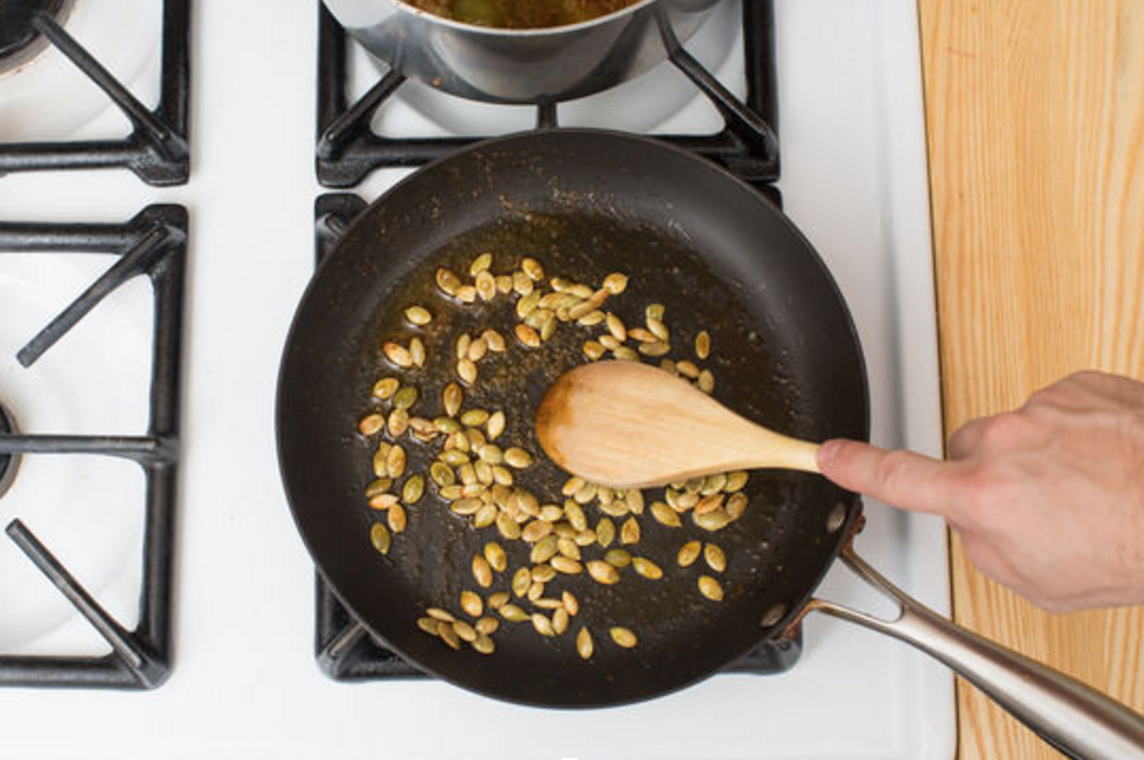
{"type": "Point", "coordinates": [9, 463]}
{"type": "Point", "coordinates": [19, 40]}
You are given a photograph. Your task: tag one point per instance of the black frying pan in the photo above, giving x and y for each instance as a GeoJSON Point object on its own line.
{"type": "Point", "coordinates": [585, 203]}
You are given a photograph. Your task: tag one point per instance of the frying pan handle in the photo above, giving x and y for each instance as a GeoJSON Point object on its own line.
{"type": "Point", "coordinates": [1076, 719]}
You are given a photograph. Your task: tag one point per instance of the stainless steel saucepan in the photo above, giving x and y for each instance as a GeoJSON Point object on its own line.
{"type": "Point", "coordinates": [520, 65]}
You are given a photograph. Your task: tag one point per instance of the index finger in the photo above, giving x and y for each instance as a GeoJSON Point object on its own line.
{"type": "Point", "coordinates": [898, 477]}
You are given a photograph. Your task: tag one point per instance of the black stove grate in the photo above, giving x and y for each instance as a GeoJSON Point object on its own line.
{"type": "Point", "coordinates": [345, 650]}
{"type": "Point", "coordinates": [348, 149]}
{"type": "Point", "coordinates": [152, 244]}
{"type": "Point", "coordinates": [157, 149]}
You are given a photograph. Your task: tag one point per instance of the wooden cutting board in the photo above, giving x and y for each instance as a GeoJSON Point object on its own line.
{"type": "Point", "coordinates": [1035, 113]}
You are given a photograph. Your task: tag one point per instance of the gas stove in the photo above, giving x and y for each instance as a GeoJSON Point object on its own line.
{"type": "Point", "coordinates": [196, 592]}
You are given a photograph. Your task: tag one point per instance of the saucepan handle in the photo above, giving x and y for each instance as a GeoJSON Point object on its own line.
{"type": "Point", "coordinates": [1076, 719]}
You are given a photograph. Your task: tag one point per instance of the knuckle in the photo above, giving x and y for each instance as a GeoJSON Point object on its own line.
{"type": "Point", "coordinates": [893, 470]}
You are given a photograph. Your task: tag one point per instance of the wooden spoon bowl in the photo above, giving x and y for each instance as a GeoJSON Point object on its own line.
{"type": "Point", "coordinates": [630, 425]}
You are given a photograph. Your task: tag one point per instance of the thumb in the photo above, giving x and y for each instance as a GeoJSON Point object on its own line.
{"type": "Point", "coordinates": [899, 478]}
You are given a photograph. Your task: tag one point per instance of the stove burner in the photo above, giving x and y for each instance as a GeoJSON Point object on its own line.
{"type": "Point", "coordinates": [20, 41]}
{"type": "Point", "coordinates": [9, 463]}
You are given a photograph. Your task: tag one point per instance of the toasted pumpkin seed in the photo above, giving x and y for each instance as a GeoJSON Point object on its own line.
{"type": "Point", "coordinates": [630, 531]}
{"type": "Point", "coordinates": [605, 532]}
{"type": "Point", "coordinates": [482, 572]}
{"type": "Point", "coordinates": [709, 504]}
{"type": "Point", "coordinates": [544, 549]}
{"type": "Point", "coordinates": [635, 501]}
{"type": "Point", "coordinates": [486, 285]}
{"type": "Point", "coordinates": [584, 646]}
{"type": "Point", "coordinates": [710, 588]}
{"type": "Point", "coordinates": [551, 513]}
{"type": "Point", "coordinates": [566, 565]}
{"type": "Point", "coordinates": [654, 311]}
{"type": "Point", "coordinates": [616, 283]}
{"type": "Point", "coordinates": [715, 558]}
{"type": "Point", "coordinates": [602, 572]}
{"type": "Point", "coordinates": [526, 305]}
{"type": "Point", "coordinates": [448, 281]}
{"type": "Point", "coordinates": [484, 644]}
{"type": "Point", "coordinates": [548, 604]}
{"type": "Point", "coordinates": [706, 381]}
{"type": "Point", "coordinates": [417, 352]}
{"type": "Point", "coordinates": [397, 354]}
{"type": "Point", "coordinates": [703, 345]}
{"type": "Point", "coordinates": [513, 613]}
{"type": "Point", "coordinates": [450, 492]}
{"type": "Point", "coordinates": [495, 556]}
{"type": "Point", "coordinates": [464, 631]}
{"type": "Point", "coordinates": [517, 457]}
{"type": "Point", "coordinates": [521, 581]}
{"type": "Point", "coordinates": [623, 637]}
{"type": "Point", "coordinates": [609, 342]}
{"type": "Point", "coordinates": [574, 513]}
{"type": "Point", "coordinates": [385, 388]}
{"type": "Point", "coordinates": [371, 423]}
{"type": "Point", "coordinates": [687, 369]}
{"type": "Point", "coordinates": [454, 458]}
{"type": "Point", "coordinates": [418, 315]}
{"type": "Point", "coordinates": [472, 604]}
{"type": "Point", "coordinates": [439, 614]}
{"type": "Point", "coordinates": [647, 568]}
{"type": "Point", "coordinates": [532, 268]}
{"type": "Point", "coordinates": [665, 515]}
{"type": "Point", "coordinates": [735, 481]}
{"type": "Point", "coordinates": [659, 329]}
{"type": "Point", "coordinates": [572, 485]}
{"type": "Point", "coordinates": [594, 350]}
{"type": "Point", "coordinates": [405, 398]}
{"type": "Point", "coordinates": [625, 354]}
{"type": "Point", "coordinates": [383, 501]}
{"type": "Point", "coordinates": [396, 518]}
{"type": "Point", "coordinates": [428, 625]}
{"type": "Point", "coordinates": [570, 602]}
{"type": "Point", "coordinates": [688, 553]}
{"type": "Point", "coordinates": [477, 350]}
{"type": "Point", "coordinates": [536, 530]}
{"type": "Point", "coordinates": [466, 294]}
{"type": "Point", "coordinates": [485, 516]}
{"type": "Point", "coordinates": [495, 424]}
{"type": "Point", "coordinates": [495, 602]}
{"type": "Point", "coordinates": [642, 335]}
{"type": "Point", "coordinates": [712, 521]}
{"type": "Point", "coordinates": [442, 474]}
{"type": "Point", "coordinates": [481, 264]}
{"type": "Point", "coordinates": [591, 319]}
{"type": "Point", "coordinates": [466, 506]}
{"type": "Point", "coordinates": [527, 336]}
{"type": "Point", "coordinates": [654, 349]}
{"type": "Point", "coordinates": [585, 494]}
{"type": "Point", "coordinates": [397, 424]}
{"type": "Point", "coordinates": [543, 573]}
{"type": "Point", "coordinates": [395, 462]}
{"type": "Point", "coordinates": [542, 624]}
{"type": "Point", "coordinates": [377, 487]}
{"type": "Point", "coordinates": [467, 371]}
{"type": "Point", "coordinates": [560, 621]}
{"type": "Point", "coordinates": [507, 527]}
{"type": "Point", "coordinates": [448, 634]}
{"type": "Point", "coordinates": [379, 537]}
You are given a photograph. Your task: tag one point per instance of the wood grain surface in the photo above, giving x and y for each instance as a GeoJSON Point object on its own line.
{"type": "Point", "coordinates": [1035, 112]}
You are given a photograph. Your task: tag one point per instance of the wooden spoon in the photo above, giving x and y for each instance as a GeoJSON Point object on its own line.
{"type": "Point", "coordinates": [630, 425]}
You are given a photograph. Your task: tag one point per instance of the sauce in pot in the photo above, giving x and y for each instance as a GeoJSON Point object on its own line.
{"type": "Point", "coordinates": [520, 14]}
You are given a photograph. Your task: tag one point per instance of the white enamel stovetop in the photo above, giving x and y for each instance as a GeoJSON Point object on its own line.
{"type": "Point", "coordinates": [245, 684]}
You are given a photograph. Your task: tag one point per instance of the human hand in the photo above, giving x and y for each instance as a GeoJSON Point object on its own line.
{"type": "Point", "coordinates": [1048, 499]}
